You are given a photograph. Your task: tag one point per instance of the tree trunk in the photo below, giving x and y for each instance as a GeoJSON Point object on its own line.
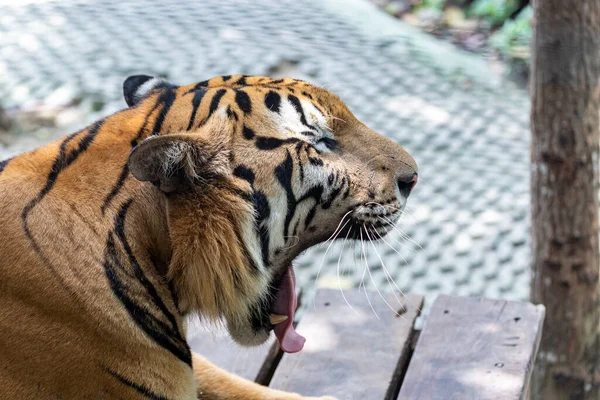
{"type": "Point", "coordinates": [4, 121]}
{"type": "Point", "coordinates": [565, 121]}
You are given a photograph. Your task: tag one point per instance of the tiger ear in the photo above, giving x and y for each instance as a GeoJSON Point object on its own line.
{"type": "Point", "coordinates": [177, 162]}
{"type": "Point", "coordinates": [136, 87]}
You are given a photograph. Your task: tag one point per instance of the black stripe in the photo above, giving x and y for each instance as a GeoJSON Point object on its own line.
{"type": "Point", "coordinates": [295, 231]}
{"type": "Point", "coordinates": [3, 164]}
{"type": "Point", "coordinates": [214, 103]}
{"type": "Point", "coordinates": [318, 108]}
{"type": "Point", "coordinates": [284, 172]}
{"type": "Point", "coordinates": [59, 160]}
{"type": "Point", "coordinates": [62, 161]}
{"type": "Point", "coordinates": [226, 78]}
{"type": "Point", "coordinates": [231, 114]}
{"type": "Point", "coordinates": [139, 273]}
{"type": "Point", "coordinates": [125, 171]}
{"type": "Point", "coordinates": [271, 143]}
{"type": "Point", "coordinates": [276, 81]}
{"type": "Point", "coordinates": [116, 188]}
{"type": "Point", "coordinates": [263, 211]}
{"type": "Point", "coordinates": [243, 101]}
{"type": "Point", "coordinates": [163, 334]}
{"type": "Point", "coordinates": [243, 172]}
{"type": "Point", "coordinates": [310, 216]}
{"type": "Point", "coordinates": [261, 207]}
{"type": "Point", "coordinates": [315, 161]}
{"type": "Point", "coordinates": [330, 179]}
{"type": "Point", "coordinates": [331, 144]}
{"type": "Point", "coordinates": [314, 193]}
{"type": "Point", "coordinates": [334, 194]}
{"type": "Point", "coordinates": [174, 295]}
{"type": "Point", "coordinates": [166, 99]}
{"type": "Point", "coordinates": [273, 101]}
{"type": "Point", "coordinates": [141, 389]}
{"type": "Point", "coordinates": [247, 196]}
{"type": "Point", "coordinates": [198, 95]}
{"type": "Point", "coordinates": [140, 314]}
{"type": "Point", "coordinates": [199, 85]}
{"type": "Point", "coordinates": [347, 191]}
{"type": "Point", "coordinates": [298, 158]}
{"type": "Point", "coordinates": [248, 257]}
{"type": "Point", "coordinates": [298, 106]}
{"type": "Point", "coordinates": [248, 133]}
{"type": "Point", "coordinates": [242, 80]}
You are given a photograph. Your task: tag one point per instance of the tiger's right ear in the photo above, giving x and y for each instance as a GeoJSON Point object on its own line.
{"type": "Point", "coordinates": [177, 162]}
{"type": "Point", "coordinates": [136, 87]}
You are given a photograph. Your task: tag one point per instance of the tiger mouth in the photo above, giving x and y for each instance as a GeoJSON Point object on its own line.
{"type": "Point", "coordinates": [277, 314]}
{"type": "Point", "coordinates": [362, 229]}
{"type": "Point", "coordinates": [369, 222]}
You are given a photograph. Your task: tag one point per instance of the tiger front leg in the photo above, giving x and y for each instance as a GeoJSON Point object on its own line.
{"type": "Point", "coordinates": [214, 383]}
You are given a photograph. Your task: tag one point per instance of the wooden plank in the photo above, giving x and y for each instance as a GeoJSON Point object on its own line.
{"type": "Point", "coordinates": [216, 345]}
{"type": "Point", "coordinates": [350, 354]}
{"type": "Point", "coordinates": [473, 348]}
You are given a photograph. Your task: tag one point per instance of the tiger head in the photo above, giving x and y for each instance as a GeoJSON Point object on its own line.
{"type": "Point", "coordinates": [256, 170]}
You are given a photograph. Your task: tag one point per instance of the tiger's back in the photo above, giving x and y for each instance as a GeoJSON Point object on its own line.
{"type": "Point", "coordinates": [68, 331]}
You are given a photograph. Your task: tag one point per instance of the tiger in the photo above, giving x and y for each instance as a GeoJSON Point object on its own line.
{"type": "Point", "coordinates": [193, 200]}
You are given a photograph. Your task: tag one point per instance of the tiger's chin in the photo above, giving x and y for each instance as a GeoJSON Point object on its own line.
{"type": "Point", "coordinates": [246, 335]}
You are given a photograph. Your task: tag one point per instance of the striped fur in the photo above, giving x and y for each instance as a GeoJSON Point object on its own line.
{"type": "Point", "coordinates": [195, 199]}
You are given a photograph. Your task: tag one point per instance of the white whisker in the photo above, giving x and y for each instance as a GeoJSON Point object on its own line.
{"type": "Point", "coordinates": [387, 274]}
{"type": "Point", "coordinates": [410, 214]}
{"type": "Point", "coordinates": [364, 287]}
{"type": "Point", "coordinates": [396, 240]}
{"type": "Point", "coordinates": [392, 247]}
{"type": "Point", "coordinates": [362, 280]}
{"type": "Point", "coordinates": [331, 240]}
{"type": "Point", "coordinates": [402, 233]}
{"type": "Point", "coordinates": [371, 275]}
{"type": "Point", "coordinates": [338, 273]}
{"type": "Point", "coordinates": [338, 227]}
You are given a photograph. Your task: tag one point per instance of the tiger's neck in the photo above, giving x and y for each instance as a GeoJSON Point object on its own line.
{"type": "Point", "coordinates": [137, 256]}
{"type": "Point", "coordinates": [134, 208]}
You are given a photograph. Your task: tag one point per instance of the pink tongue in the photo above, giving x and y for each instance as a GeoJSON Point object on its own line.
{"type": "Point", "coordinates": [285, 304]}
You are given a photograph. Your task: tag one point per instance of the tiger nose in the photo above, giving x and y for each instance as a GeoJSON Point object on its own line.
{"type": "Point", "coordinates": [406, 183]}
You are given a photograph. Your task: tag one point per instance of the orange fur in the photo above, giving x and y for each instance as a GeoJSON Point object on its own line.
{"type": "Point", "coordinates": [98, 269]}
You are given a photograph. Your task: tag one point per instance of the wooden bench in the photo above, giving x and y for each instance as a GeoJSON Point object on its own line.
{"type": "Point", "coordinates": [469, 348]}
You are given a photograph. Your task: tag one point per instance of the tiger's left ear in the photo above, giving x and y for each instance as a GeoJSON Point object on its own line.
{"type": "Point", "coordinates": [136, 87]}
{"type": "Point", "coordinates": [177, 162]}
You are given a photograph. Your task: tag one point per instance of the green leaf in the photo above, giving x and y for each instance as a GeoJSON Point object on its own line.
{"type": "Point", "coordinates": [494, 11]}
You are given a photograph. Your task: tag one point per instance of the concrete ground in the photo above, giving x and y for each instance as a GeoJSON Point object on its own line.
{"type": "Point", "coordinates": [468, 218]}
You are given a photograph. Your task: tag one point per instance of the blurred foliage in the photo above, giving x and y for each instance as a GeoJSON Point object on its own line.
{"type": "Point", "coordinates": [500, 26]}
{"type": "Point", "coordinates": [513, 38]}
{"type": "Point", "coordinates": [494, 11]}
{"type": "Point", "coordinates": [437, 5]}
